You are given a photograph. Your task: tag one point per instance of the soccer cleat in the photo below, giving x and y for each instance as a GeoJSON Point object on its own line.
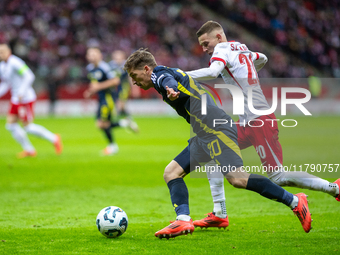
{"type": "Point", "coordinates": [130, 124]}
{"type": "Point", "coordinates": [212, 221]}
{"type": "Point", "coordinates": [176, 228]}
{"type": "Point", "coordinates": [302, 212]}
{"type": "Point", "coordinates": [25, 154]}
{"type": "Point", "coordinates": [133, 126]}
{"type": "Point", "coordinates": [338, 196]}
{"type": "Point", "coordinates": [58, 145]}
{"type": "Point", "coordinates": [110, 150]}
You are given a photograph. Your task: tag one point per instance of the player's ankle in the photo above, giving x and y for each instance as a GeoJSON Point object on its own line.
{"type": "Point", "coordinates": [183, 217]}
{"type": "Point", "coordinates": [295, 202]}
{"type": "Point", "coordinates": [221, 215]}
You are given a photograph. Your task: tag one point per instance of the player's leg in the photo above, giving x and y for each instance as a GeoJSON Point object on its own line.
{"type": "Point", "coordinates": [228, 155]}
{"type": "Point", "coordinates": [18, 132]}
{"type": "Point", "coordinates": [304, 180]}
{"type": "Point", "coordinates": [27, 116]}
{"type": "Point", "coordinates": [266, 141]}
{"type": "Point", "coordinates": [263, 186]}
{"type": "Point", "coordinates": [173, 176]}
{"type": "Point", "coordinates": [219, 217]}
{"type": "Point", "coordinates": [104, 123]}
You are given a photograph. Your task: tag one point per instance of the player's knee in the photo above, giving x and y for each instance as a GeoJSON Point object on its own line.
{"type": "Point", "coordinates": [240, 183]}
{"type": "Point", "coordinates": [102, 124]}
{"type": "Point", "coordinates": [28, 127]}
{"type": "Point", "coordinates": [169, 174]}
{"type": "Point", "coordinates": [172, 171]}
{"type": "Point", "coordinates": [10, 126]}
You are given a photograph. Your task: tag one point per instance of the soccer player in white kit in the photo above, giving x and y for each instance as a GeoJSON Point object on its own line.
{"type": "Point", "coordinates": [238, 66]}
{"type": "Point", "coordinates": [16, 76]}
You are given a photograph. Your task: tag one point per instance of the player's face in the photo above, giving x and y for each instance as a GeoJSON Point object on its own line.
{"type": "Point", "coordinates": [141, 78]}
{"type": "Point", "coordinates": [208, 42]}
{"type": "Point", "coordinates": [93, 55]}
{"type": "Point", "coordinates": [4, 52]}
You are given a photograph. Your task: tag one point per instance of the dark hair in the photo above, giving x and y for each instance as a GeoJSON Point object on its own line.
{"type": "Point", "coordinates": [139, 59]}
{"type": "Point", "coordinates": [208, 27]}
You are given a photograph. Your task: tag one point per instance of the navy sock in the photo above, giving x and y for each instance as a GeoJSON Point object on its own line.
{"type": "Point", "coordinates": [179, 196]}
{"type": "Point", "coordinates": [114, 124]}
{"type": "Point", "coordinates": [108, 134]}
{"type": "Point", "coordinates": [268, 189]}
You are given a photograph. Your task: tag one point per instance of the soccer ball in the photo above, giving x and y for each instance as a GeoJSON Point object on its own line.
{"type": "Point", "coordinates": [112, 221]}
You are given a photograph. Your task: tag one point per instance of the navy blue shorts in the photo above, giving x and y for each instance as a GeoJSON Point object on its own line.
{"type": "Point", "coordinates": [105, 107]}
{"type": "Point", "coordinates": [223, 150]}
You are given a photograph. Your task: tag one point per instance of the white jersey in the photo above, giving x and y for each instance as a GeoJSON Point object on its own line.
{"type": "Point", "coordinates": [239, 70]}
{"type": "Point", "coordinates": [16, 76]}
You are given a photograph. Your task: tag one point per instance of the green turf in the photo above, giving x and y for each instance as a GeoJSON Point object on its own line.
{"type": "Point", "coordinates": [48, 204]}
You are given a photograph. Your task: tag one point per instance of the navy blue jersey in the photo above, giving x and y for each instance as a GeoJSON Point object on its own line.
{"type": "Point", "coordinates": [188, 105]}
{"type": "Point", "coordinates": [100, 73]}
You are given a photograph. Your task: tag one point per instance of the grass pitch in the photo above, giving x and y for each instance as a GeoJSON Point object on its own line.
{"type": "Point", "coordinates": [48, 204]}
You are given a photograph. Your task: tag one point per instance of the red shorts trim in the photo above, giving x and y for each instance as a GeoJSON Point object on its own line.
{"type": "Point", "coordinates": [265, 139]}
{"type": "Point", "coordinates": [23, 111]}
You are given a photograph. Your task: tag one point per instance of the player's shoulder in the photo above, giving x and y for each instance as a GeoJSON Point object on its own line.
{"type": "Point", "coordinates": [14, 60]}
{"type": "Point", "coordinates": [89, 67]}
{"type": "Point", "coordinates": [158, 73]}
{"type": "Point", "coordinates": [104, 66]}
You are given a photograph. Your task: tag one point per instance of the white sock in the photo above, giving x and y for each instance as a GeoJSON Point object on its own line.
{"type": "Point", "coordinates": [183, 217]}
{"type": "Point", "coordinates": [216, 181]}
{"type": "Point", "coordinates": [123, 123]}
{"type": "Point", "coordinates": [294, 202]}
{"type": "Point", "coordinates": [40, 131]}
{"type": "Point", "coordinates": [303, 180]}
{"type": "Point", "coordinates": [20, 136]}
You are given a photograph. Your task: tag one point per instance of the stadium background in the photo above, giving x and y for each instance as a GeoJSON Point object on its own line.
{"type": "Point", "coordinates": [300, 38]}
{"type": "Point", "coordinates": [60, 197]}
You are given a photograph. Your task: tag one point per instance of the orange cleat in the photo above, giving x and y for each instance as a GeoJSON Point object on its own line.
{"type": "Point", "coordinates": [302, 212]}
{"type": "Point", "coordinates": [25, 154]}
{"type": "Point", "coordinates": [110, 150]}
{"type": "Point", "coordinates": [58, 145]}
{"type": "Point", "coordinates": [176, 228]}
{"type": "Point", "coordinates": [338, 196]}
{"type": "Point", "coordinates": [212, 221]}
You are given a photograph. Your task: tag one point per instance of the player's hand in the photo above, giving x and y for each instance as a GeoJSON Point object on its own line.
{"type": "Point", "coordinates": [171, 94]}
{"type": "Point", "coordinates": [94, 87]}
{"type": "Point", "coordinates": [19, 99]}
{"type": "Point", "coordinates": [87, 94]}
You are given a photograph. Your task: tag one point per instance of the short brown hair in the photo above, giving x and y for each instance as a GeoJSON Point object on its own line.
{"type": "Point", "coordinates": [208, 27]}
{"type": "Point", "coordinates": [139, 59]}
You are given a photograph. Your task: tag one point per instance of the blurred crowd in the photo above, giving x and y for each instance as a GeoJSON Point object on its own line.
{"type": "Point", "coordinates": [52, 36]}
{"type": "Point", "coordinates": [309, 29]}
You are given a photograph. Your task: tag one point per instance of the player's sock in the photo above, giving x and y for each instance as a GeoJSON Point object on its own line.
{"type": "Point", "coordinates": [40, 131]}
{"type": "Point", "coordinates": [303, 180]}
{"type": "Point", "coordinates": [294, 203]}
{"type": "Point", "coordinates": [217, 192]}
{"type": "Point", "coordinates": [114, 124]}
{"type": "Point", "coordinates": [179, 196]}
{"type": "Point", "coordinates": [268, 189]}
{"type": "Point", "coordinates": [108, 134]}
{"type": "Point", "coordinates": [20, 136]}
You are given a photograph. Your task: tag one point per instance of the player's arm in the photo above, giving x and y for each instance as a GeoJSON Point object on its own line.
{"type": "Point", "coordinates": [170, 85]}
{"type": "Point", "coordinates": [27, 79]}
{"type": "Point", "coordinates": [4, 87]}
{"type": "Point", "coordinates": [259, 60]}
{"type": "Point", "coordinates": [97, 86]}
{"type": "Point", "coordinates": [210, 73]}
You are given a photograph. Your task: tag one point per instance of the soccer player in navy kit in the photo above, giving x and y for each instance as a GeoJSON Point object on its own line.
{"type": "Point", "coordinates": [219, 143]}
{"type": "Point", "coordinates": [102, 82]}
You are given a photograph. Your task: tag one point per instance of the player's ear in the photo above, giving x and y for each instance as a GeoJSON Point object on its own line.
{"type": "Point", "coordinates": [219, 37]}
{"type": "Point", "coordinates": [147, 68]}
